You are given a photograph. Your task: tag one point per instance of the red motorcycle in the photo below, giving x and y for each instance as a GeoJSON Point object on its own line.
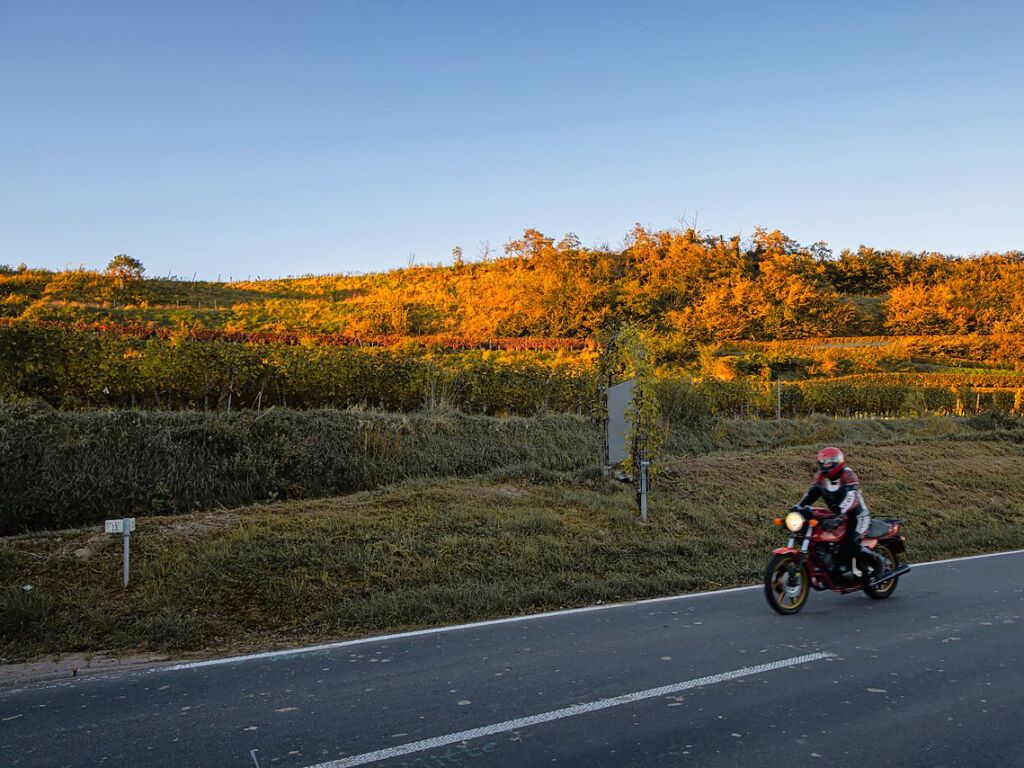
{"type": "Point", "coordinates": [811, 559]}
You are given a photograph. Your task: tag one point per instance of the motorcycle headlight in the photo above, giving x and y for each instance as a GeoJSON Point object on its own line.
{"type": "Point", "coordinates": [794, 521]}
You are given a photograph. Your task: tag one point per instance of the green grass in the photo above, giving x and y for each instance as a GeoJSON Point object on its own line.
{"type": "Point", "coordinates": [429, 552]}
{"type": "Point", "coordinates": [71, 468]}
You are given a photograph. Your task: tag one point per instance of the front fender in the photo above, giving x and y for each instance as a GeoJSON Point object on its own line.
{"type": "Point", "coordinates": [786, 551]}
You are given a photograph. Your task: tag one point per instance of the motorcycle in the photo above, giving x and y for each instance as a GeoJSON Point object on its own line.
{"type": "Point", "coordinates": [811, 559]}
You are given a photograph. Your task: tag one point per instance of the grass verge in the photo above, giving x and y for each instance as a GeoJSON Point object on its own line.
{"type": "Point", "coordinates": [427, 552]}
{"type": "Point", "coordinates": [63, 469]}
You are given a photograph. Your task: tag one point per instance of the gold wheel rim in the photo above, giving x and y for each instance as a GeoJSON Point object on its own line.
{"type": "Point", "coordinates": [890, 564]}
{"type": "Point", "coordinates": [781, 593]}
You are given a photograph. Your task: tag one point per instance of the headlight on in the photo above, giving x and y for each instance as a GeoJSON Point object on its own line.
{"type": "Point", "coordinates": [794, 521]}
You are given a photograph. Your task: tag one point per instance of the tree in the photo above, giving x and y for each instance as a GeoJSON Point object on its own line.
{"type": "Point", "coordinates": [125, 270]}
{"type": "Point", "coordinates": [532, 244]}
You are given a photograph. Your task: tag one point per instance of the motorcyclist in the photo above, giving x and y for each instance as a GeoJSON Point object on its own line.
{"type": "Point", "coordinates": [839, 487]}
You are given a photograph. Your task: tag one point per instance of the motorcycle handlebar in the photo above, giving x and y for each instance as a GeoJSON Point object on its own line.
{"type": "Point", "coordinates": [812, 510]}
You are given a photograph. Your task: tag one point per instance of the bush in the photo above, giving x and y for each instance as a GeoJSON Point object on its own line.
{"type": "Point", "coordinates": [64, 469]}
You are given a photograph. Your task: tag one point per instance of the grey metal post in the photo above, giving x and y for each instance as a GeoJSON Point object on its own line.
{"type": "Point", "coordinates": [644, 463]}
{"type": "Point", "coordinates": [125, 536]}
{"type": "Point", "coordinates": [602, 403]}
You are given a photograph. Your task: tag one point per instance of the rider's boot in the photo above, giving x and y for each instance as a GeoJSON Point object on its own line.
{"type": "Point", "coordinates": [845, 574]}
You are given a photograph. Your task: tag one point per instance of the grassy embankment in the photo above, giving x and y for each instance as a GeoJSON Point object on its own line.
{"type": "Point", "coordinates": [429, 552]}
{"type": "Point", "coordinates": [65, 469]}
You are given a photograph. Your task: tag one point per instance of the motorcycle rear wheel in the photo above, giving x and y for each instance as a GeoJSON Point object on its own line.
{"type": "Point", "coordinates": [786, 595]}
{"type": "Point", "coordinates": [885, 589]}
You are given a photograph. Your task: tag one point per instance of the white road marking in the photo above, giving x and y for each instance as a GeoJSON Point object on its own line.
{"type": "Point", "coordinates": [969, 557]}
{"type": "Point", "coordinates": [559, 714]}
{"type": "Point", "coordinates": [494, 622]}
{"type": "Point", "coordinates": [440, 630]}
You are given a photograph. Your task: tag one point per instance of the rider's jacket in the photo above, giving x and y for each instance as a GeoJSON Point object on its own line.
{"type": "Point", "coordinates": [843, 497]}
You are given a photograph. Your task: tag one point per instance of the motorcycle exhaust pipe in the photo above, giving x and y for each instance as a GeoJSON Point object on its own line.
{"type": "Point", "coordinates": [891, 575]}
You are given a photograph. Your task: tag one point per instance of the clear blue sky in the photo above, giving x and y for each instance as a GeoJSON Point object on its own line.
{"type": "Point", "coordinates": [273, 138]}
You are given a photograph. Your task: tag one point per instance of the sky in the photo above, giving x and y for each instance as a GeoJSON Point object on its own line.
{"type": "Point", "coordinates": [257, 138]}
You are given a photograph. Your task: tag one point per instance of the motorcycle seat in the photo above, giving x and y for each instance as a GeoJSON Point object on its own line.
{"type": "Point", "coordinates": [876, 529]}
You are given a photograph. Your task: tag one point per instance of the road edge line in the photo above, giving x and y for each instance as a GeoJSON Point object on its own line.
{"type": "Point", "coordinates": [495, 622]}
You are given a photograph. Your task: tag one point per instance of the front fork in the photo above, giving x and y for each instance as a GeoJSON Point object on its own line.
{"type": "Point", "coordinates": [804, 546]}
{"type": "Point", "coordinates": [798, 559]}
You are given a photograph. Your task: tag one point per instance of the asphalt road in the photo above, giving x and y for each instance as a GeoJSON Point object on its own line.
{"type": "Point", "coordinates": [931, 677]}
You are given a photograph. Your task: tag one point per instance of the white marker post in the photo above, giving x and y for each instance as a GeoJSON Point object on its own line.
{"type": "Point", "coordinates": [124, 526]}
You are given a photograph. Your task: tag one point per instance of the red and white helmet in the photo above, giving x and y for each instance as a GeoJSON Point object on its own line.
{"type": "Point", "coordinates": [831, 462]}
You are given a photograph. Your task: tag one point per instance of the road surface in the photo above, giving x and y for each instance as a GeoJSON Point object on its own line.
{"type": "Point", "coordinates": [931, 677]}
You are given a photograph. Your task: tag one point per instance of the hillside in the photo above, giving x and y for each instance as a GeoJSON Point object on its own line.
{"type": "Point", "coordinates": [688, 285]}
{"type": "Point", "coordinates": [430, 552]}
{"type": "Point", "coordinates": [865, 332]}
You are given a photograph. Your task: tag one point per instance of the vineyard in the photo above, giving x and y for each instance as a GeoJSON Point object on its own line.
{"type": "Point", "coordinates": [130, 331]}
{"type": "Point", "coordinates": [736, 329]}
{"type": "Point", "coordinates": [82, 368]}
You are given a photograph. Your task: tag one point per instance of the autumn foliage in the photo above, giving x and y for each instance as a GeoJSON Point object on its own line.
{"type": "Point", "coordinates": [515, 333]}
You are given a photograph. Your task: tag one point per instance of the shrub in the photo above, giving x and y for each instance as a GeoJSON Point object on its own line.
{"type": "Point", "coordinates": [71, 468]}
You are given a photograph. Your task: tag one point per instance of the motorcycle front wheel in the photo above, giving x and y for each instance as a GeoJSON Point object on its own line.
{"type": "Point", "coordinates": [786, 585]}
